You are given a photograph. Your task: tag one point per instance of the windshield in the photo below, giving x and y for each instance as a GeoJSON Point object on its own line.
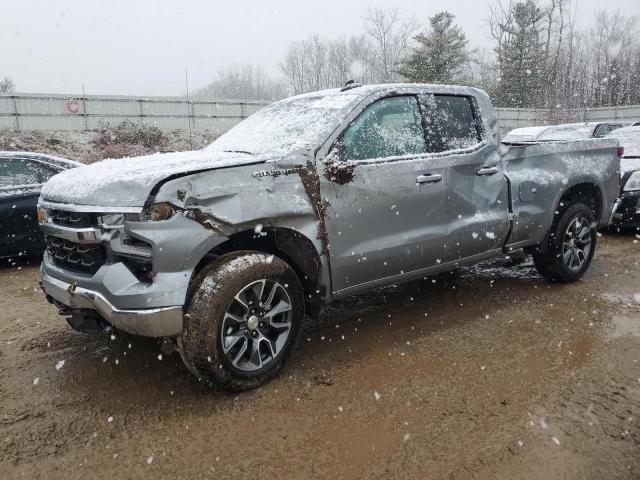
{"type": "Point", "coordinates": [287, 126]}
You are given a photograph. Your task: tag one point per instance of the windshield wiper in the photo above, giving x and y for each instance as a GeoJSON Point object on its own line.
{"type": "Point", "coordinates": [238, 151]}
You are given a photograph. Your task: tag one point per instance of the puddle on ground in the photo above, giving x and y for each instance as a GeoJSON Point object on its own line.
{"type": "Point", "coordinates": [623, 325]}
{"type": "Point", "coordinates": [626, 322]}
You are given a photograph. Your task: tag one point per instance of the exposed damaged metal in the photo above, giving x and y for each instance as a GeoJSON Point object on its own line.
{"type": "Point", "coordinates": [204, 218]}
{"type": "Point", "coordinates": [311, 183]}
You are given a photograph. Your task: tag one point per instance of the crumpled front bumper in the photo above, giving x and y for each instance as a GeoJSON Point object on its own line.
{"type": "Point", "coordinates": [628, 212]}
{"type": "Point", "coordinates": [148, 322]}
{"type": "Point", "coordinates": [150, 306]}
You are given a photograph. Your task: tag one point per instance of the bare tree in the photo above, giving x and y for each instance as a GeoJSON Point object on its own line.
{"type": "Point", "coordinates": [7, 85]}
{"type": "Point", "coordinates": [243, 82]}
{"type": "Point", "coordinates": [390, 35]}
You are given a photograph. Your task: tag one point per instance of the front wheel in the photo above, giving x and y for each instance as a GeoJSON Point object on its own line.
{"type": "Point", "coordinates": [568, 250]}
{"type": "Point", "coordinates": [243, 317]}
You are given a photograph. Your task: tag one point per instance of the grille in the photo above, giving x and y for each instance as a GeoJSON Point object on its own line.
{"type": "Point", "coordinates": [75, 256]}
{"type": "Point", "coordinates": [73, 219]}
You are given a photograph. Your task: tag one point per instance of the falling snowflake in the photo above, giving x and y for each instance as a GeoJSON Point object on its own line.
{"type": "Point", "coordinates": [376, 395]}
{"type": "Point", "coordinates": [60, 364]}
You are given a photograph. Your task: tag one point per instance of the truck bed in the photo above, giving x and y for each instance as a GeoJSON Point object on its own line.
{"type": "Point", "coordinates": [539, 173]}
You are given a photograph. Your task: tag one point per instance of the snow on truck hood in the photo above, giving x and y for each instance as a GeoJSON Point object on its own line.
{"type": "Point", "coordinates": [127, 182]}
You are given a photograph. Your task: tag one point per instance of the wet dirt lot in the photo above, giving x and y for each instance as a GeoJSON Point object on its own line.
{"type": "Point", "coordinates": [492, 373]}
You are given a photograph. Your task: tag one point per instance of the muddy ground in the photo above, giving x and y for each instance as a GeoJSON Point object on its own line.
{"type": "Point", "coordinates": [493, 373]}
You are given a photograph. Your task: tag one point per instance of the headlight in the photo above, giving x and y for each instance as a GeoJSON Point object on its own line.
{"type": "Point", "coordinates": [43, 215]}
{"type": "Point", "coordinates": [159, 211]}
{"type": "Point", "coordinates": [633, 183]}
{"type": "Point", "coordinates": [111, 220]}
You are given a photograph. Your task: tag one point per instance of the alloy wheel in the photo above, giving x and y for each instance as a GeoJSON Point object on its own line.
{"type": "Point", "coordinates": [576, 245]}
{"type": "Point", "coordinates": [256, 325]}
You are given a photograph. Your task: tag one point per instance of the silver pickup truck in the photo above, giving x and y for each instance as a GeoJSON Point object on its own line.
{"type": "Point", "coordinates": [221, 252]}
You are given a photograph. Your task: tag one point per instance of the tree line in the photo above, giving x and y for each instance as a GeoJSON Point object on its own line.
{"type": "Point", "coordinates": [538, 58]}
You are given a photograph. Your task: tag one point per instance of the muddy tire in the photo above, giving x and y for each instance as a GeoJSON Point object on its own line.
{"type": "Point", "coordinates": [243, 318]}
{"type": "Point", "coordinates": [568, 249]}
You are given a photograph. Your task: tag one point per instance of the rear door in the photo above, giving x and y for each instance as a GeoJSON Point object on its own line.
{"type": "Point", "coordinates": [478, 203]}
{"type": "Point", "coordinates": [389, 219]}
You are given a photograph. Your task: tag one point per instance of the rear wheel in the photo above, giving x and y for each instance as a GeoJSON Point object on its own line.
{"type": "Point", "coordinates": [244, 316]}
{"type": "Point", "coordinates": [568, 250]}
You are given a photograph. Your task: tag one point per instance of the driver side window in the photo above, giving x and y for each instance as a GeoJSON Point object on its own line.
{"type": "Point", "coordinates": [389, 127]}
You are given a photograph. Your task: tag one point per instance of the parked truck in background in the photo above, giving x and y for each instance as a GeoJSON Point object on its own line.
{"type": "Point", "coordinates": [314, 198]}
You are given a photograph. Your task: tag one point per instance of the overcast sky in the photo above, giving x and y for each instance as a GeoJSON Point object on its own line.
{"type": "Point", "coordinates": [141, 47]}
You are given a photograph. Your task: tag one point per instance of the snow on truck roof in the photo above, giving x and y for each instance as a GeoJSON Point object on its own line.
{"type": "Point", "coordinates": [366, 90]}
{"type": "Point", "coordinates": [301, 122]}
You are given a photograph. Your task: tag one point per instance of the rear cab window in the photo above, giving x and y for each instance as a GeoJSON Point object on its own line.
{"type": "Point", "coordinates": [451, 122]}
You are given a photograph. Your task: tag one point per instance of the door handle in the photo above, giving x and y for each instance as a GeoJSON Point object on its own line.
{"type": "Point", "coordinates": [429, 178]}
{"type": "Point", "coordinates": [487, 170]}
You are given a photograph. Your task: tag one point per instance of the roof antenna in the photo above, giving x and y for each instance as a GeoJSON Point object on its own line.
{"type": "Point", "coordinates": [350, 84]}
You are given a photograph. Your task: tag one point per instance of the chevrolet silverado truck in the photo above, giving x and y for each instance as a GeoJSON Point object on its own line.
{"type": "Point", "coordinates": [223, 251]}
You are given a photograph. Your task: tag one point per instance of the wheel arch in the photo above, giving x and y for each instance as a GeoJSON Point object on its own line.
{"type": "Point", "coordinates": [290, 245]}
{"type": "Point", "coordinates": [588, 193]}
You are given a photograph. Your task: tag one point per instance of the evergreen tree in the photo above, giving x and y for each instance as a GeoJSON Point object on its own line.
{"type": "Point", "coordinates": [440, 55]}
{"type": "Point", "coordinates": [521, 58]}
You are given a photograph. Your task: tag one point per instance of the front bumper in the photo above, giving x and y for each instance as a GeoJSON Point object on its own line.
{"type": "Point", "coordinates": [140, 304]}
{"type": "Point", "coordinates": [628, 213]}
{"type": "Point", "coordinates": [149, 322]}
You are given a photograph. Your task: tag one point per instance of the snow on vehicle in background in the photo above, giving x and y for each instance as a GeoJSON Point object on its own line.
{"type": "Point", "coordinates": [563, 132]}
{"type": "Point", "coordinates": [628, 215]}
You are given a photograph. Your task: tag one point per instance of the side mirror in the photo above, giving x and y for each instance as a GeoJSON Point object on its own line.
{"type": "Point", "coordinates": [337, 168]}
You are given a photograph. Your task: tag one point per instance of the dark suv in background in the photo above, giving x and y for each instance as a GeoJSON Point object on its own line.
{"type": "Point", "coordinates": [22, 174]}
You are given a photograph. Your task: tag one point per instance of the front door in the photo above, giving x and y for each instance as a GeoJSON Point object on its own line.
{"type": "Point", "coordinates": [389, 218]}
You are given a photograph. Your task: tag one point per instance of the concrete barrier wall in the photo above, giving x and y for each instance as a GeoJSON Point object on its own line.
{"type": "Point", "coordinates": [65, 112]}
{"type": "Point", "coordinates": [510, 118]}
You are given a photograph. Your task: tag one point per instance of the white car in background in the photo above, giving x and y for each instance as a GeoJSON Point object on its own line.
{"type": "Point", "coordinates": [567, 131]}
{"type": "Point", "coordinates": [628, 214]}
